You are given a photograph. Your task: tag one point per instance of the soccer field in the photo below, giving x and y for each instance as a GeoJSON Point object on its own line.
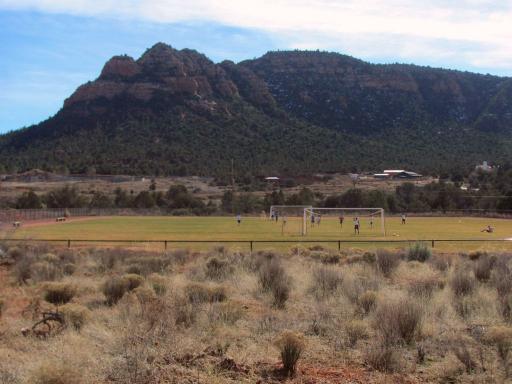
{"type": "Point", "coordinates": [253, 228]}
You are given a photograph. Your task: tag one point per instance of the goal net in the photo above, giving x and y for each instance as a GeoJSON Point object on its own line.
{"type": "Point", "coordinates": [288, 218]}
{"type": "Point", "coordinates": [337, 220]}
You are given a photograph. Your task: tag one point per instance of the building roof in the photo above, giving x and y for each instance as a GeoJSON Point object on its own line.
{"type": "Point", "coordinates": [394, 170]}
{"type": "Point", "coordinates": [272, 178]}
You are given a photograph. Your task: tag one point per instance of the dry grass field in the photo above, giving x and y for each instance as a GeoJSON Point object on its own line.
{"type": "Point", "coordinates": [307, 315]}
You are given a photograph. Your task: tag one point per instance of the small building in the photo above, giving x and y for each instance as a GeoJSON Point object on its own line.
{"type": "Point", "coordinates": [381, 176]}
{"type": "Point", "coordinates": [407, 175]}
{"type": "Point", "coordinates": [393, 172]}
{"type": "Point", "coordinates": [484, 167]}
{"type": "Point", "coordinates": [272, 178]}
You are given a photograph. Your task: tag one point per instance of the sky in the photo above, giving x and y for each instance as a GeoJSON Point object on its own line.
{"type": "Point", "coordinates": [49, 47]}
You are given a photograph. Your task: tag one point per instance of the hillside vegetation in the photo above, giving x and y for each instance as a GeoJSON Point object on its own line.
{"type": "Point", "coordinates": [296, 112]}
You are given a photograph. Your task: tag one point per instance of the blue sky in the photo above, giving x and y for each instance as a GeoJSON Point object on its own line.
{"type": "Point", "coordinates": [49, 47]}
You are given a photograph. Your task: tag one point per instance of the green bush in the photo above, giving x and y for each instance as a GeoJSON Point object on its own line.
{"type": "Point", "coordinates": [419, 252]}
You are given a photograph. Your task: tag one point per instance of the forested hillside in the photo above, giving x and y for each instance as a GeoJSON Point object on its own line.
{"type": "Point", "coordinates": [175, 112]}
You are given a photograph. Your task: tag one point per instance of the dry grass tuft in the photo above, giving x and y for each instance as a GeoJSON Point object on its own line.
{"type": "Point", "coordinates": [291, 347]}
{"type": "Point", "coordinates": [387, 261]}
{"type": "Point", "coordinates": [501, 338]}
{"type": "Point", "coordinates": [55, 372]}
{"type": "Point", "coordinates": [202, 293]}
{"type": "Point", "coordinates": [75, 315]}
{"type": "Point", "coordinates": [326, 281]}
{"type": "Point", "coordinates": [383, 358]}
{"type": "Point", "coordinates": [462, 283]}
{"type": "Point", "coordinates": [216, 269]}
{"type": "Point", "coordinates": [114, 289]}
{"type": "Point", "coordinates": [398, 320]}
{"type": "Point", "coordinates": [419, 252]}
{"type": "Point", "coordinates": [59, 293]}
{"type": "Point", "coordinates": [367, 302]}
{"type": "Point", "coordinates": [356, 330]}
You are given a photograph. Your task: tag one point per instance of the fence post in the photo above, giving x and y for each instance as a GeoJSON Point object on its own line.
{"type": "Point", "coordinates": [251, 246]}
{"type": "Point", "coordinates": [339, 245]}
{"type": "Point", "coordinates": [165, 245]}
{"type": "Point", "coordinates": [433, 244]}
{"type": "Point", "coordinates": [69, 243]}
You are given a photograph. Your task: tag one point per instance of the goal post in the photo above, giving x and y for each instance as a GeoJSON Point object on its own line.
{"type": "Point", "coordinates": [345, 213]}
{"type": "Point", "coordinates": [288, 210]}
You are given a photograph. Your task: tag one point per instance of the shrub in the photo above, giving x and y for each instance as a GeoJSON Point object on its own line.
{"type": "Point", "coordinates": [114, 289]}
{"type": "Point", "coordinates": [482, 268]}
{"type": "Point", "coordinates": [462, 283]}
{"type": "Point", "coordinates": [461, 351]}
{"type": "Point", "coordinates": [326, 281]}
{"type": "Point", "coordinates": [68, 269]}
{"type": "Point", "coordinates": [158, 283]}
{"type": "Point", "coordinates": [45, 271]}
{"type": "Point", "coordinates": [325, 257]}
{"type": "Point", "coordinates": [133, 280]}
{"type": "Point", "coordinates": [217, 269]}
{"type": "Point", "coordinates": [387, 261]}
{"type": "Point", "coordinates": [369, 257]}
{"type": "Point", "coordinates": [281, 292]}
{"type": "Point", "coordinates": [270, 273]}
{"type": "Point", "coordinates": [383, 358]}
{"type": "Point", "coordinates": [201, 293]}
{"type": "Point", "coordinates": [367, 302]}
{"type": "Point", "coordinates": [355, 330]}
{"type": "Point", "coordinates": [419, 252]}
{"type": "Point", "coordinates": [59, 293]}
{"type": "Point", "coordinates": [144, 294]}
{"type": "Point", "coordinates": [228, 313]}
{"type": "Point", "coordinates": [75, 315]}
{"type": "Point", "coordinates": [440, 262]}
{"type": "Point", "coordinates": [424, 287]}
{"type": "Point", "coordinates": [398, 320]}
{"type": "Point", "coordinates": [23, 269]}
{"type": "Point", "coordinates": [184, 312]}
{"type": "Point", "coordinates": [147, 264]}
{"type": "Point", "coordinates": [15, 253]}
{"type": "Point", "coordinates": [291, 346]}
{"type": "Point", "coordinates": [505, 303]}
{"type": "Point", "coordinates": [55, 372]}
{"type": "Point", "coordinates": [501, 338]}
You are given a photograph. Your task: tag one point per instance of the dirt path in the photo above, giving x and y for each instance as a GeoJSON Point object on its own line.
{"type": "Point", "coordinates": [39, 223]}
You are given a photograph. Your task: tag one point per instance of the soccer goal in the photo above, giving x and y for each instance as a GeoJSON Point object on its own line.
{"type": "Point", "coordinates": [338, 219]}
{"type": "Point", "coordinates": [287, 210]}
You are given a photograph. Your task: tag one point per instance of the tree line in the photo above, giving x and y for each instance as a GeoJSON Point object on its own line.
{"type": "Point", "coordinates": [488, 191]}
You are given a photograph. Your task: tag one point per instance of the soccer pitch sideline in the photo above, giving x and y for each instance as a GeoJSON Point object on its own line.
{"type": "Point", "coordinates": [225, 228]}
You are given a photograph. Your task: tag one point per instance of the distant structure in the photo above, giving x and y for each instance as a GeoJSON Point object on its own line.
{"type": "Point", "coordinates": [484, 167]}
{"type": "Point", "coordinates": [396, 174]}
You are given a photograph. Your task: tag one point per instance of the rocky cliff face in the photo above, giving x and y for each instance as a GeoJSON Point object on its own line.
{"type": "Point", "coordinates": [315, 111]}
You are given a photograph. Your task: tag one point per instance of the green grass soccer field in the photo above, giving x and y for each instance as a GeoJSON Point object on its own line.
{"type": "Point", "coordinates": [253, 228]}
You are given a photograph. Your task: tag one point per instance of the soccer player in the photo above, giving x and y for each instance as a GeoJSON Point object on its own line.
{"type": "Point", "coordinates": [318, 220]}
{"type": "Point", "coordinates": [342, 218]}
{"type": "Point", "coordinates": [312, 219]}
{"type": "Point", "coordinates": [356, 225]}
{"type": "Point", "coordinates": [239, 218]}
{"type": "Point", "coordinates": [489, 229]}
{"type": "Point", "coordinates": [283, 225]}
{"type": "Point", "coordinates": [403, 218]}
{"type": "Point", "coordinates": [277, 216]}
{"type": "Point", "coordinates": [371, 222]}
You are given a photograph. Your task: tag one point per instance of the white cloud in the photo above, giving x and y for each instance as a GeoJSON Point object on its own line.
{"type": "Point", "coordinates": [478, 32]}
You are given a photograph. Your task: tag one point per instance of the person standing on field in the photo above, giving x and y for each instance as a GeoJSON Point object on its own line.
{"type": "Point", "coordinates": [403, 218]}
{"type": "Point", "coordinates": [342, 218]}
{"type": "Point", "coordinates": [239, 219]}
{"type": "Point", "coordinates": [284, 220]}
{"type": "Point", "coordinates": [356, 225]}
